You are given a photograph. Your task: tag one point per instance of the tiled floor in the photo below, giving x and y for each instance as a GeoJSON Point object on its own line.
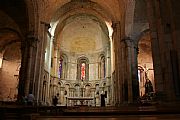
{"type": "Point", "coordinates": [122, 117]}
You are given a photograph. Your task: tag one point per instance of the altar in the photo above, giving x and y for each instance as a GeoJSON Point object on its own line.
{"type": "Point", "coordinates": [80, 101]}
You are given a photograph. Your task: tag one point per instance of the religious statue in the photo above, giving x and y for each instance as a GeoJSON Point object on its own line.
{"type": "Point", "coordinates": [148, 87]}
{"type": "Point", "coordinates": [148, 84]}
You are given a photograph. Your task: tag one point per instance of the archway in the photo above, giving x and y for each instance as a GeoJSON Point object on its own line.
{"type": "Point", "coordinates": [83, 37]}
{"type": "Point", "coordinates": [10, 63]}
{"type": "Point", "coordinates": [145, 63]}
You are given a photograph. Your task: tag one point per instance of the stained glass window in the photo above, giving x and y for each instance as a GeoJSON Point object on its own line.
{"type": "Point", "coordinates": [83, 66]}
{"type": "Point", "coordinates": [60, 68]}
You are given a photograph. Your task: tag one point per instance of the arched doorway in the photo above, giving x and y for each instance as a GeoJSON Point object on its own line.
{"type": "Point", "coordinates": [145, 64]}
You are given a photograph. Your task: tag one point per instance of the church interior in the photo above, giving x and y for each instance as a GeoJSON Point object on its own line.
{"type": "Point", "coordinates": [90, 52]}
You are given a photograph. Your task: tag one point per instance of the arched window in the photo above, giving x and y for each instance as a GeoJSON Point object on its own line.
{"type": "Point", "coordinates": [83, 69]}
{"type": "Point", "coordinates": [102, 67]}
{"type": "Point", "coordinates": [62, 66]}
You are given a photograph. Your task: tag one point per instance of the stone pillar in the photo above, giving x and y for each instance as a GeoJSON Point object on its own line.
{"type": "Point", "coordinates": [108, 62]}
{"type": "Point", "coordinates": [62, 99]}
{"type": "Point", "coordinates": [32, 41]}
{"type": "Point", "coordinates": [71, 92]}
{"type": "Point", "coordinates": [163, 50]}
{"type": "Point", "coordinates": [26, 69]}
{"type": "Point", "coordinates": [118, 65]}
{"type": "Point", "coordinates": [135, 82]}
{"type": "Point", "coordinates": [173, 6]}
{"type": "Point", "coordinates": [55, 61]}
{"type": "Point", "coordinates": [108, 95]}
{"type": "Point", "coordinates": [49, 67]}
{"type": "Point", "coordinates": [93, 95]}
{"type": "Point", "coordinates": [165, 44]}
{"type": "Point", "coordinates": [108, 77]}
{"type": "Point", "coordinates": [93, 92]}
{"type": "Point", "coordinates": [157, 63]}
{"type": "Point", "coordinates": [128, 81]}
{"type": "Point", "coordinates": [39, 65]}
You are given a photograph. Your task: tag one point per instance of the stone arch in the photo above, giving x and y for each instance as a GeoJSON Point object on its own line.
{"type": "Point", "coordinates": [10, 61]}
{"type": "Point", "coordinates": [88, 84]}
{"type": "Point", "coordinates": [145, 60]}
{"type": "Point", "coordinates": [60, 82]}
{"type": "Point", "coordinates": [5, 34]}
{"type": "Point", "coordinates": [143, 33]}
{"type": "Point", "coordinates": [68, 83]}
{"type": "Point", "coordinates": [97, 90]}
{"type": "Point", "coordinates": [67, 87]}
{"type": "Point", "coordinates": [59, 22]}
{"type": "Point", "coordinates": [12, 9]}
{"type": "Point", "coordinates": [103, 84]}
{"type": "Point", "coordinates": [88, 7]}
{"type": "Point", "coordinates": [64, 21]}
{"type": "Point", "coordinates": [8, 24]}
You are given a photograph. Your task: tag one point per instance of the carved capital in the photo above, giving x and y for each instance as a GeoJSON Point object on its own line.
{"type": "Point", "coordinates": [115, 24]}
{"type": "Point", "coordinates": [31, 39]}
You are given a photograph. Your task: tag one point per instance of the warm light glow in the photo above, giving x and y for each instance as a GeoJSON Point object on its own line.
{"type": "Point", "coordinates": [110, 29]}
{"type": "Point", "coordinates": [53, 27]}
{"type": "Point", "coordinates": [1, 60]}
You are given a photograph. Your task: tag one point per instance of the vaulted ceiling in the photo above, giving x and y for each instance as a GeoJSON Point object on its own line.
{"type": "Point", "coordinates": [49, 7]}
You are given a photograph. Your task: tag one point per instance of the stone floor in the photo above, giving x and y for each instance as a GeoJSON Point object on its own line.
{"type": "Point", "coordinates": [127, 112]}
{"type": "Point", "coordinates": [121, 117]}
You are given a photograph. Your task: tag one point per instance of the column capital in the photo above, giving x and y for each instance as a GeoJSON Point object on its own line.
{"type": "Point", "coordinates": [115, 24]}
{"type": "Point", "coordinates": [128, 41]}
{"type": "Point", "coordinates": [31, 39]}
{"type": "Point", "coordinates": [47, 25]}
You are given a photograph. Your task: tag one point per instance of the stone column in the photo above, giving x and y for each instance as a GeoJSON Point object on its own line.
{"type": "Point", "coordinates": [26, 65]}
{"type": "Point", "coordinates": [93, 95]}
{"type": "Point", "coordinates": [164, 54]}
{"type": "Point", "coordinates": [62, 99]}
{"type": "Point", "coordinates": [49, 66]}
{"type": "Point", "coordinates": [135, 82]}
{"type": "Point", "coordinates": [116, 43]}
{"type": "Point", "coordinates": [32, 41]}
{"type": "Point", "coordinates": [109, 95]}
{"type": "Point", "coordinates": [171, 41]}
{"type": "Point", "coordinates": [108, 62]}
{"type": "Point", "coordinates": [173, 6]}
{"type": "Point", "coordinates": [39, 65]}
{"type": "Point", "coordinates": [55, 61]}
{"type": "Point", "coordinates": [128, 81]}
{"type": "Point", "coordinates": [158, 72]}
{"type": "Point", "coordinates": [70, 92]}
